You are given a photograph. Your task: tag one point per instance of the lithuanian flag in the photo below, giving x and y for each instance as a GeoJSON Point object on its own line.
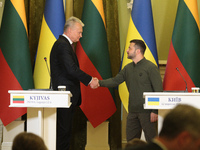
{"type": "Point", "coordinates": [15, 62]}
{"type": "Point", "coordinates": [18, 99]}
{"type": "Point", "coordinates": [92, 52]}
{"type": "Point", "coordinates": [184, 50]}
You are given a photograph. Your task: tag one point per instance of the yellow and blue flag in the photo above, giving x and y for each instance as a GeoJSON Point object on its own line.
{"type": "Point", "coordinates": [153, 101]}
{"type": "Point", "coordinates": [141, 27]}
{"type": "Point", "coordinates": [52, 26]}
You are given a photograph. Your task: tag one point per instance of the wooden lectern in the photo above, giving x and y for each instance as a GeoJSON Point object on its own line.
{"type": "Point", "coordinates": [164, 101]}
{"type": "Point", "coordinates": [41, 111]}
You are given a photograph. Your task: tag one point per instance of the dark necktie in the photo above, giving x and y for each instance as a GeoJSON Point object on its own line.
{"type": "Point", "coordinates": [73, 47]}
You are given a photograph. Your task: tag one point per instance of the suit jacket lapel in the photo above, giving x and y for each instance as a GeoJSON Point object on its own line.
{"type": "Point", "coordinates": [71, 49]}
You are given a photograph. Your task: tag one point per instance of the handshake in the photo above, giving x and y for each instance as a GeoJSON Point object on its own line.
{"type": "Point", "coordinates": [94, 83]}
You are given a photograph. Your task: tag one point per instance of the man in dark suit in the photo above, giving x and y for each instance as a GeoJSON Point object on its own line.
{"type": "Point", "coordinates": [65, 71]}
{"type": "Point", "coordinates": [180, 131]}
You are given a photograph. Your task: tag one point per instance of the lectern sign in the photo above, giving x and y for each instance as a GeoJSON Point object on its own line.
{"type": "Point", "coordinates": [168, 100]}
{"type": "Point", "coordinates": [27, 98]}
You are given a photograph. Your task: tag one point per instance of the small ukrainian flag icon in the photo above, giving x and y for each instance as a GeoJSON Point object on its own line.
{"type": "Point", "coordinates": [153, 101]}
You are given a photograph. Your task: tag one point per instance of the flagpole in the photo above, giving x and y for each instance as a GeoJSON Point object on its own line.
{"type": "Point", "coordinates": [69, 5]}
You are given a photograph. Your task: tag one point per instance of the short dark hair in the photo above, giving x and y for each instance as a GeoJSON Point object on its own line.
{"type": "Point", "coordinates": [134, 143]}
{"type": "Point", "coordinates": [139, 44]}
{"type": "Point", "coordinates": [181, 118]}
{"type": "Point", "coordinates": [28, 141]}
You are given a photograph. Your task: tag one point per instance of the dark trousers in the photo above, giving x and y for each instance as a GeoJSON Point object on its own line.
{"type": "Point", "coordinates": [136, 122]}
{"type": "Point", "coordinates": [64, 127]}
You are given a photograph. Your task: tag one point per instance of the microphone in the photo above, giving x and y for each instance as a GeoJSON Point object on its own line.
{"type": "Point", "coordinates": [183, 79]}
{"type": "Point", "coordinates": [45, 59]}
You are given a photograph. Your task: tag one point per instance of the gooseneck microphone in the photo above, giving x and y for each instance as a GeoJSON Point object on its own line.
{"type": "Point", "coordinates": [186, 90]}
{"type": "Point", "coordinates": [45, 59]}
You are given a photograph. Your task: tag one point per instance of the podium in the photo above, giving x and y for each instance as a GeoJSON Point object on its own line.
{"type": "Point", "coordinates": [41, 111]}
{"type": "Point", "coordinates": [164, 101]}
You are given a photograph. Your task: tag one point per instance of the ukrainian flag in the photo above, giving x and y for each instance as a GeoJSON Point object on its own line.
{"type": "Point", "coordinates": [153, 101]}
{"type": "Point", "coordinates": [141, 27]}
{"type": "Point", "coordinates": [52, 26]}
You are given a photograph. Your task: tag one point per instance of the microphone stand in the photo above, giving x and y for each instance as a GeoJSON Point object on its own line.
{"type": "Point", "coordinates": [186, 90]}
{"type": "Point", "coordinates": [45, 59]}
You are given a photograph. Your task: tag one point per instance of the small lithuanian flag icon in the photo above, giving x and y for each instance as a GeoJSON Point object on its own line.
{"type": "Point", "coordinates": [18, 99]}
